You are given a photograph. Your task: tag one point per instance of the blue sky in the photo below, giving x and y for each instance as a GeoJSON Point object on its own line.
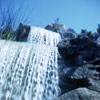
{"type": "Point", "coordinates": [76, 14]}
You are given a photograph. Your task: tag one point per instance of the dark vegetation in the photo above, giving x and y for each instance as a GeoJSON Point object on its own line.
{"type": "Point", "coordinates": [10, 18]}
{"type": "Point", "coordinates": [88, 34]}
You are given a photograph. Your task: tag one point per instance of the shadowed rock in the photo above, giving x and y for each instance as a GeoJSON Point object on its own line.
{"type": "Point", "coordinates": [22, 32]}
{"type": "Point", "coordinates": [79, 51]}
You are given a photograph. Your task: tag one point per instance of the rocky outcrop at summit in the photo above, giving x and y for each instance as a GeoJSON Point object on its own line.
{"type": "Point", "coordinates": [56, 27]}
{"type": "Point", "coordinates": [60, 28]}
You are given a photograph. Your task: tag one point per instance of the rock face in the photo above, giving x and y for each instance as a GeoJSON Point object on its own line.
{"type": "Point", "coordinates": [78, 77]}
{"type": "Point", "coordinates": [79, 50]}
{"type": "Point", "coordinates": [22, 32]}
{"type": "Point", "coordinates": [79, 69]}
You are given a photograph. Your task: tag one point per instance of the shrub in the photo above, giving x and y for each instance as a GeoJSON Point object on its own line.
{"type": "Point", "coordinates": [10, 17]}
{"type": "Point", "coordinates": [79, 35]}
{"type": "Point", "coordinates": [88, 34]}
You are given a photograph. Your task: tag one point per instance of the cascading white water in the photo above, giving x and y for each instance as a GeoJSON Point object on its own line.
{"type": "Point", "coordinates": [40, 35]}
{"type": "Point", "coordinates": [28, 71]}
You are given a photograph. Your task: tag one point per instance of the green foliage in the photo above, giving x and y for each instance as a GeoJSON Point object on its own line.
{"type": "Point", "coordinates": [8, 34]}
{"type": "Point", "coordinates": [88, 34]}
{"type": "Point", "coordinates": [85, 34]}
{"type": "Point", "coordinates": [79, 35]}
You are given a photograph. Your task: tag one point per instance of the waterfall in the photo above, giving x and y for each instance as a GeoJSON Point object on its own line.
{"type": "Point", "coordinates": [43, 36]}
{"type": "Point", "coordinates": [28, 71]}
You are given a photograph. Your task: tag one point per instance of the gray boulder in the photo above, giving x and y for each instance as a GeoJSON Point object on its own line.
{"type": "Point", "coordinates": [81, 94]}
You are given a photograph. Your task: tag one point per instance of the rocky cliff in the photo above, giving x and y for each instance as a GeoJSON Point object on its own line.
{"type": "Point", "coordinates": [79, 69]}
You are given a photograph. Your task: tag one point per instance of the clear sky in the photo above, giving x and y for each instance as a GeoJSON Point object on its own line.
{"type": "Point", "coordinates": [76, 14]}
